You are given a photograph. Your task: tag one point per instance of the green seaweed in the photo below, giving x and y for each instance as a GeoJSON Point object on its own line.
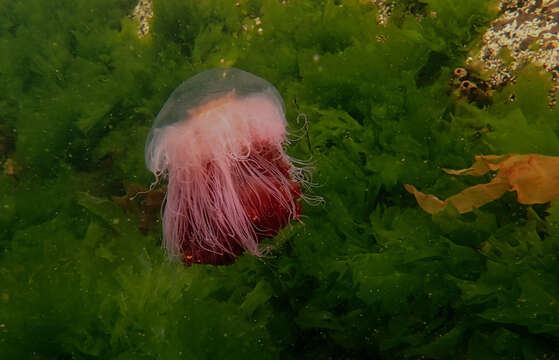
{"type": "Point", "coordinates": [366, 275]}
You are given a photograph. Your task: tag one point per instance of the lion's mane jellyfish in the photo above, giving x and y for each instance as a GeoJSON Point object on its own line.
{"type": "Point", "coordinates": [218, 139]}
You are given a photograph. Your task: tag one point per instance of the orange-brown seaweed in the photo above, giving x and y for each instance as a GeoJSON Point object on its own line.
{"type": "Point", "coordinates": [534, 177]}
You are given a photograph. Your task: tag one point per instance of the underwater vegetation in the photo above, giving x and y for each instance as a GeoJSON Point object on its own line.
{"type": "Point", "coordinates": [535, 178]}
{"type": "Point", "coordinates": [369, 274]}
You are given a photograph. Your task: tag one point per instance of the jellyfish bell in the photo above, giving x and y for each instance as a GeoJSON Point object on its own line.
{"type": "Point", "coordinates": [218, 140]}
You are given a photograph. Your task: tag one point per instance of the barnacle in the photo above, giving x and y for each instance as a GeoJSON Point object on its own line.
{"type": "Point", "coordinates": [460, 73]}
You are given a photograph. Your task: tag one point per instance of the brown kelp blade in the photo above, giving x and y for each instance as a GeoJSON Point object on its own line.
{"type": "Point", "coordinates": [534, 177]}
{"type": "Point", "coordinates": [481, 166]}
{"type": "Point", "coordinates": [465, 201]}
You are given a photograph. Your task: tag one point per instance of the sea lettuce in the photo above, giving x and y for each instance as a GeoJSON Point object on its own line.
{"type": "Point", "coordinates": [367, 274]}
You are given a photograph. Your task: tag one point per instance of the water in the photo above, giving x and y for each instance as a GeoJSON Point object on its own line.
{"type": "Point", "coordinates": [367, 274]}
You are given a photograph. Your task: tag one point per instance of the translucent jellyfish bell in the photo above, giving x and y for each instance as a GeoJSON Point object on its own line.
{"type": "Point", "coordinates": [201, 89]}
{"type": "Point", "coordinates": [218, 138]}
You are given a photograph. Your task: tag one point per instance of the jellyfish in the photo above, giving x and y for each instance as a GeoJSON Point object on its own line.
{"type": "Point", "coordinates": [219, 140]}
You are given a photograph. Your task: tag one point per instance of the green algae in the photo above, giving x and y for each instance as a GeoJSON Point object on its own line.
{"type": "Point", "coordinates": [368, 274]}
